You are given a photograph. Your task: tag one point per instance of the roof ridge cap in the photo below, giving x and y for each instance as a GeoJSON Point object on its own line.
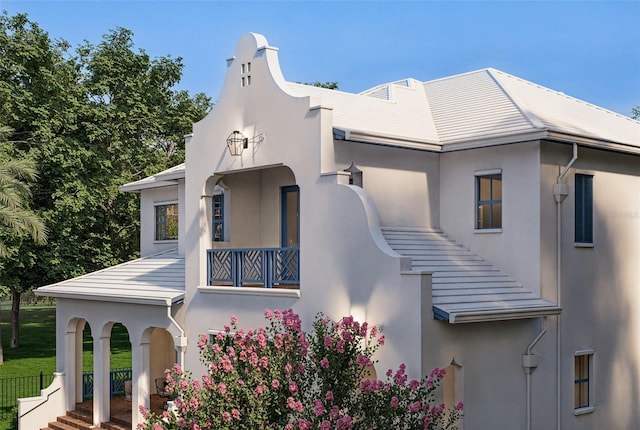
{"type": "Point", "coordinates": [562, 94]}
{"type": "Point", "coordinates": [529, 116]}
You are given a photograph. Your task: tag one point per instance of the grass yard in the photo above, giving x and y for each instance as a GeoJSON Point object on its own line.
{"type": "Point", "coordinates": [37, 352]}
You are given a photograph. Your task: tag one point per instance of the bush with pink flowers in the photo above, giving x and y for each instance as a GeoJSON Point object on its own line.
{"type": "Point", "coordinates": [280, 377]}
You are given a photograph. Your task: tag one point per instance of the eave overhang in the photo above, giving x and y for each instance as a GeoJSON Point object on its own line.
{"type": "Point", "coordinates": [106, 297]}
{"type": "Point", "coordinates": [378, 139]}
{"type": "Point", "coordinates": [158, 280]}
{"type": "Point", "coordinates": [136, 187]}
{"type": "Point", "coordinates": [485, 142]}
{"type": "Point", "coordinates": [595, 143]}
{"type": "Point", "coordinates": [486, 315]}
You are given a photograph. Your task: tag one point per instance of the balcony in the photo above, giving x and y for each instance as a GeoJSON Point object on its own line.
{"type": "Point", "coordinates": [254, 267]}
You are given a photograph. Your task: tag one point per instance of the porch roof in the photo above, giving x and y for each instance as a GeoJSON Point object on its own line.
{"type": "Point", "coordinates": [163, 179]}
{"type": "Point", "coordinates": [154, 280]}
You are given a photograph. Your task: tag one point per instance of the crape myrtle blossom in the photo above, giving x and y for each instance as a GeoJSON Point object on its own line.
{"type": "Point", "coordinates": [280, 377]}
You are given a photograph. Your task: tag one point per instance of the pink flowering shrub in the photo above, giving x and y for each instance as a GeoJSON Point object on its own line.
{"type": "Point", "coordinates": [281, 377]}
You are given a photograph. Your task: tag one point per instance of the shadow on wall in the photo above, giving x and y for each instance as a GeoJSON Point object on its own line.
{"type": "Point", "coordinates": [604, 315]}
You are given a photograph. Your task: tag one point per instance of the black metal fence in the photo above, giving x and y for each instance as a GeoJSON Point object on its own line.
{"type": "Point", "coordinates": [12, 389]}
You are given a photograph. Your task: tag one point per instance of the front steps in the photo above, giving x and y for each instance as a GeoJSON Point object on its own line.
{"type": "Point", "coordinates": [81, 419]}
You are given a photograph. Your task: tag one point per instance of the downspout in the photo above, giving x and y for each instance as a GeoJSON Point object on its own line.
{"type": "Point", "coordinates": [530, 362]}
{"type": "Point", "coordinates": [181, 343]}
{"type": "Point", "coordinates": [560, 193]}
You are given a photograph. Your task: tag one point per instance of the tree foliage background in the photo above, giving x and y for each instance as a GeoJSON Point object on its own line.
{"type": "Point", "coordinates": [91, 119]}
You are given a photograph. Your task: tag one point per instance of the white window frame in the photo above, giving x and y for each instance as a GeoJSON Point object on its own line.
{"type": "Point", "coordinates": [590, 354]}
{"type": "Point", "coordinates": [476, 175]}
{"type": "Point", "coordinates": [155, 221]}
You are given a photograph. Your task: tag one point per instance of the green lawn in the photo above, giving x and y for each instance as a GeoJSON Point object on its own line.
{"type": "Point", "coordinates": [37, 352]}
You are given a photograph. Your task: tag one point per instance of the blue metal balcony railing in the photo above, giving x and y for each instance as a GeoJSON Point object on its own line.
{"type": "Point", "coordinates": [253, 266]}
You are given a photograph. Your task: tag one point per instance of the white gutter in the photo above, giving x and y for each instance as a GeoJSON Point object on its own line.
{"type": "Point", "coordinates": [560, 192]}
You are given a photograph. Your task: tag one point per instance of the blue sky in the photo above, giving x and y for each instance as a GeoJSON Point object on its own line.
{"type": "Point", "coordinates": [586, 49]}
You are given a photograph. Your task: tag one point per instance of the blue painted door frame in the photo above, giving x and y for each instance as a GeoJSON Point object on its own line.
{"type": "Point", "coordinates": [290, 215]}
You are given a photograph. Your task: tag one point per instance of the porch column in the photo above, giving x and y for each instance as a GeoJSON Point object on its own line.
{"type": "Point", "coordinates": [101, 388]}
{"type": "Point", "coordinates": [140, 393]}
{"type": "Point", "coordinates": [70, 373]}
{"type": "Point", "coordinates": [78, 364]}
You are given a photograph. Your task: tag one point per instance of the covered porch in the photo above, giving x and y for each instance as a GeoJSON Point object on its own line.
{"type": "Point", "coordinates": [143, 295]}
{"type": "Point", "coordinates": [255, 228]}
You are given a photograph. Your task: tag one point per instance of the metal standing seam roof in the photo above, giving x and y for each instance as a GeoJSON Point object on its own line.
{"type": "Point", "coordinates": [565, 114]}
{"type": "Point", "coordinates": [158, 279]}
{"type": "Point", "coordinates": [475, 108]}
{"type": "Point", "coordinates": [465, 288]}
{"type": "Point", "coordinates": [162, 179]}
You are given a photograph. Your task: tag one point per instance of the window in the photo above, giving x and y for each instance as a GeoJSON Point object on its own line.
{"type": "Point", "coordinates": [223, 338]}
{"type": "Point", "coordinates": [489, 201]}
{"type": "Point", "coordinates": [583, 381]}
{"type": "Point", "coordinates": [167, 222]}
{"type": "Point", "coordinates": [218, 218]}
{"type": "Point", "coordinates": [584, 209]}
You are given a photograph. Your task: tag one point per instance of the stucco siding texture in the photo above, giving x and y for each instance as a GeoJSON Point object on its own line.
{"type": "Point", "coordinates": [157, 278]}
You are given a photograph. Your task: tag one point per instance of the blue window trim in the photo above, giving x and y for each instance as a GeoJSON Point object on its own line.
{"type": "Point", "coordinates": [583, 208]}
{"type": "Point", "coordinates": [283, 208]}
{"type": "Point", "coordinates": [217, 205]}
{"type": "Point", "coordinates": [491, 201]}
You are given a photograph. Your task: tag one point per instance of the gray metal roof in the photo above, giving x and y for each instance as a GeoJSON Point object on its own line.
{"type": "Point", "coordinates": [156, 280]}
{"type": "Point", "coordinates": [465, 288]}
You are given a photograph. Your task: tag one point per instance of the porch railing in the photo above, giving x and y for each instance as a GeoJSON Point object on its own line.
{"type": "Point", "coordinates": [116, 382]}
{"type": "Point", "coordinates": [268, 267]}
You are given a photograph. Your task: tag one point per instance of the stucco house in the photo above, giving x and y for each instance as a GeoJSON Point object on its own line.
{"type": "Point", "coordinates": [488, 224]}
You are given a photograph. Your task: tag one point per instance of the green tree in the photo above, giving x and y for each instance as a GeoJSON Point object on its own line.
{"type": "Point", "coordinates": [328, 84]}
{"type": "Point", "coordinates": [635, 112]}
{"type": "Point", "coordinates": [92, 120]}
{"type": "Point", "coordinates": [16, 219]}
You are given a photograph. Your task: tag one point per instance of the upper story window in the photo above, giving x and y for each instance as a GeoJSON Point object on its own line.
{"type": "Point", "coordinates": [584, 208]}
{"type": "Point", "coordinates": [489, 201]}
{"type": "Point", "coordinates": [167, 222]}
{"type": "Point", "coordinates": [218, 218]}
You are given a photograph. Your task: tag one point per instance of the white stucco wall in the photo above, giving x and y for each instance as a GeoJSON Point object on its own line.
{"type": "Point", "coordinates": [403, 183]}
{"type": "Point", "coordinates": [343, 268]}
{"type": "Point", "coordinates": [347, 268]}
{"type": "Point", "coordinates": [515, 248]}
{"type": "Point", "coordinates": [601, 285]}
{"type": "Point", "coordinates": [254, 213]}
